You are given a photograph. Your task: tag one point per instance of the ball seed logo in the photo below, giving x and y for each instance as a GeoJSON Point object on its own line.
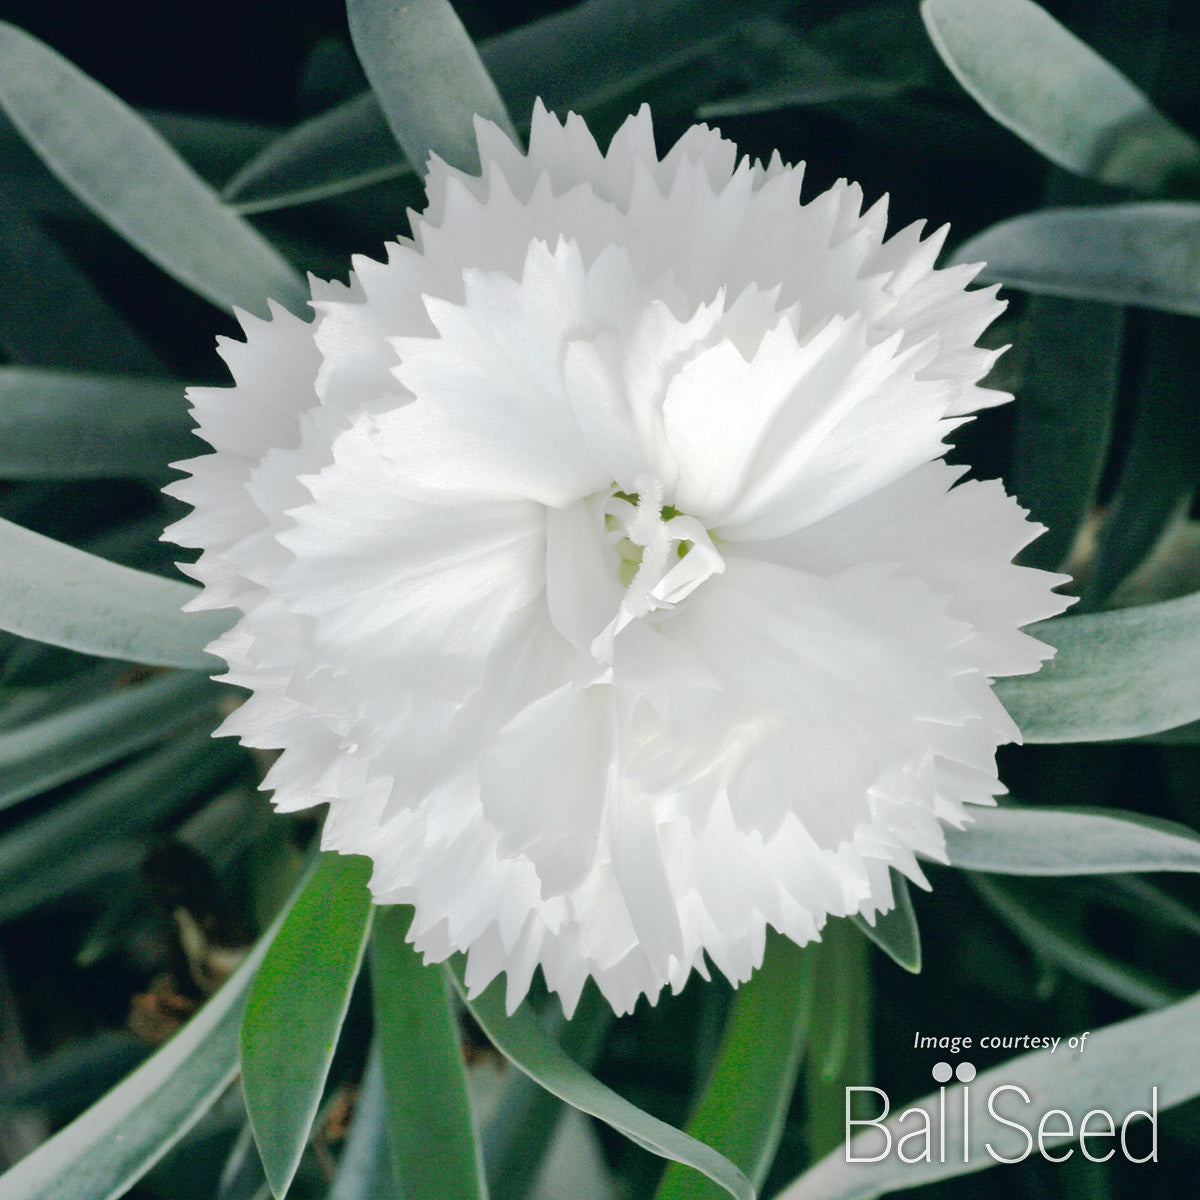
{"type": "Point", "coordinates": [942, 1130]}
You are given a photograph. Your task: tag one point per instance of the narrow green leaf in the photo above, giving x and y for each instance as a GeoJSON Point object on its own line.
{"type": "Point", "coordinates": [896, 932]}
{"type": "Point", "coordinates": [364, 1169]}
{"type": "Point", "coordinates": [519, 1133]}
{"type": "Point", "coordinates": [135, 182]}
{"type": "Point", "coordinates": [69, 744]}
{"type": "Point", "coordinates": [600, 52]}
{"type": "Point", "coordinates": [1043, 933]}
{"type": "Point", "coordinates": [70, 425]}
{"type": "Point", "coordinates": [742, 1111]}
{"type": "Point", "coordinates": [1115, 675]}
{"type": "Point", "coordinates": [428, 77]}
{"type": "Point", "coordinates": [839, 1031]}
{"type": "Point", "coordinates": [522, 1041]}
{"type": "Point", "coordinates": [1146, 254]}
{"type": "Point", "coordinates": [1014, 840]}
{"type": "Point", "coordinates": [799, 95]}
{"type": "Point", "coordinates": [1039, 80]}
{"type": "Point", "coordinates": [1070, 364]}
{"type": "Point", "coordinates": [296, 1007]}
{"type": "Point", "coordinates": [1115, 1072]}
{"type": "Point", "coordinates": [1158, 476]}
{"type": "Point", "coordinates": [434, 1150]}
{"type": "Point", "coordinates": [53, 593]}
{"type": "Point", "coordinates": [107, 1149]}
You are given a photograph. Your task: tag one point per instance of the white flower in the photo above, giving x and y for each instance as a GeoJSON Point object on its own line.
{"type": "Point", "coordinates": [598, 566]}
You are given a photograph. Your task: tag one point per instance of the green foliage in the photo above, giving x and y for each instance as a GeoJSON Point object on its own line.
{"type": "Point", "coordinates": [1029, 73]}
{"type": "Point", "coordinates": [427, 76]}
{"type": "Point", "coordinates": [435, 1152]}
{"type": "Point", "coordinates": [1114, 675]}
{"type": "Point", "coordinates": [1144, 254]}
{"type": "Point", "coordinates": [125, 173]}
{"type": "Point", "coordinates": [296, 1007]}
{"type": "Point", "coordinates": [520, 1039]}
{"type": "Point", "coordinates": [98, 762]}
{"type": "Point", "coordinates": [742, 1109]}
{"type": "Point", "coordinates": [56, 594]}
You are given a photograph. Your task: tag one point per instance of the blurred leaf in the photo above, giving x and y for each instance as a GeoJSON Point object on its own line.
{"type": "Point", "coordinates": [67, 424]}
{"type": "Point", "coordinates": [242, 1176]}
{"type": "Point", "coordinates": [519, 1134]}
{"type": "Point", "coordinates": [1158, 477]}
{"type": "Point", "coordinates": [53, 593]}
{"type": "Point", "coordinates": [896, 932]}
{"type": "Point", "coordinates": [520, 1039]}
{"type": "Point", "coordinates": [1070, 359]}
{"type": "Point", "coordinates": [132, 179]}
{"type": "Point", "coordinates": [69, 744]}
{"type": "Point", "coordinates": [1039, 80]}
{"type": "Point", "coordinates": [1072, 954]}
{"type": "Point", "coordinates": [126, 804]}
{"type": "Point", "coordinates": [51, 314]}
{"type": "Point", "coordinates": [428, 78]}
{"type": "Point", "coordinates": [800, 95]}
{"type": "Point", "coordinates": [742, 1110]}
{"type": "Point", "coordinates": [839, 1034]}
{"type": "Point", "coordinates": [1115, 1073]}
{"type": "Point", "coordinates": [1146, 254]}
{"type": "Point", "coordinates": [592, 54]}
{"type": "Point", "coordinates": [296, 1007]}
{"type": "Point", "coordinates": [115, 1142]}
{"type": "Point", "coordinates": [1012, 840]}
{"type": "Point", "coordinates": [76, 1075]}
{"type": "Point", "coordinates": [364, 1170]}
{"type": "Point", "coordinates": [434, 1150]}
{"type": "Point", "coordinates": [1115, 675]}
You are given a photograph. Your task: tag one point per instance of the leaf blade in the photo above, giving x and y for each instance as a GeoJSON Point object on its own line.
{"type": "Point", "coordinates": [1036, 78]}
{"type": "Point", "coordinates": [1115, 675]}
{"type": "Point", "coordinates": [435, 1154]}
{"type": "Point", "coordinates": [1015, 840]}
{"type": "Point", "coordinates": [428, 77]}
{"type": "Point", "coordinates": [896, 932]}
{"type": "Point", "coordinates": [304, 983]}
{"type": "Point", "coordinates": [745, 1102]}
{"type": "Point", "coordinates": [73, 424]}
{"type": "Point", "coordinates": [134, 181]}
{"type": "Point", "coordinates": [1146, 254]}
{"type": "Point", "coordinates": [114, 1143]}
{"type": "Point", "coordinates": [54, 593]}
{"type": "Point", "coordinates": [524, 1044]}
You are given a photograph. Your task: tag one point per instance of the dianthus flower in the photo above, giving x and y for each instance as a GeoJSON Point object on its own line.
{"type": "Point", "coordinates": [597, 565]}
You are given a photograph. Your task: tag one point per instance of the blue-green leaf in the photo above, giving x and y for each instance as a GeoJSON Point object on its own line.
{"type": "Point", "coordinates": [45, 753]}
{"type": "Point", "coordinates": [70, 425]}
{"type": "Point", "coordinates": [1060, 947]}
{"type": "Point", "coordinates": [1038, 79]}
{"type": "Point", "coordinates": [521, 1040]}
{"type": "Point", "coordinates": [103, 1152]}
{"type": "Point", "coordinates": [434, 1149]}
{"type": "Point", "coordinates": [296, 1007]}
{"type": "Point", "coordinates": [135, 182]}
{"type": "Point", "coordinates": [744, 1104]}
{"type": "Point", "coordinates": [600, 52]}
{"type": "Point", "coordinates": [1014, 840]}
{"type": "Point", "coordinates": [1146, 254]}
{"type": "Point", "coordinates": [1115, 675]}
{"type": "Point", "coordinates": [57, 594]}
{"type": "Point", "coordinates": [896, 932]}
{"type": "Point", "coordinates": [428, 78]}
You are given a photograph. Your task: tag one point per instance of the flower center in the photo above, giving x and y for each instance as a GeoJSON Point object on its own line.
{"type": "Point", "coordinates": [662, 556]}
